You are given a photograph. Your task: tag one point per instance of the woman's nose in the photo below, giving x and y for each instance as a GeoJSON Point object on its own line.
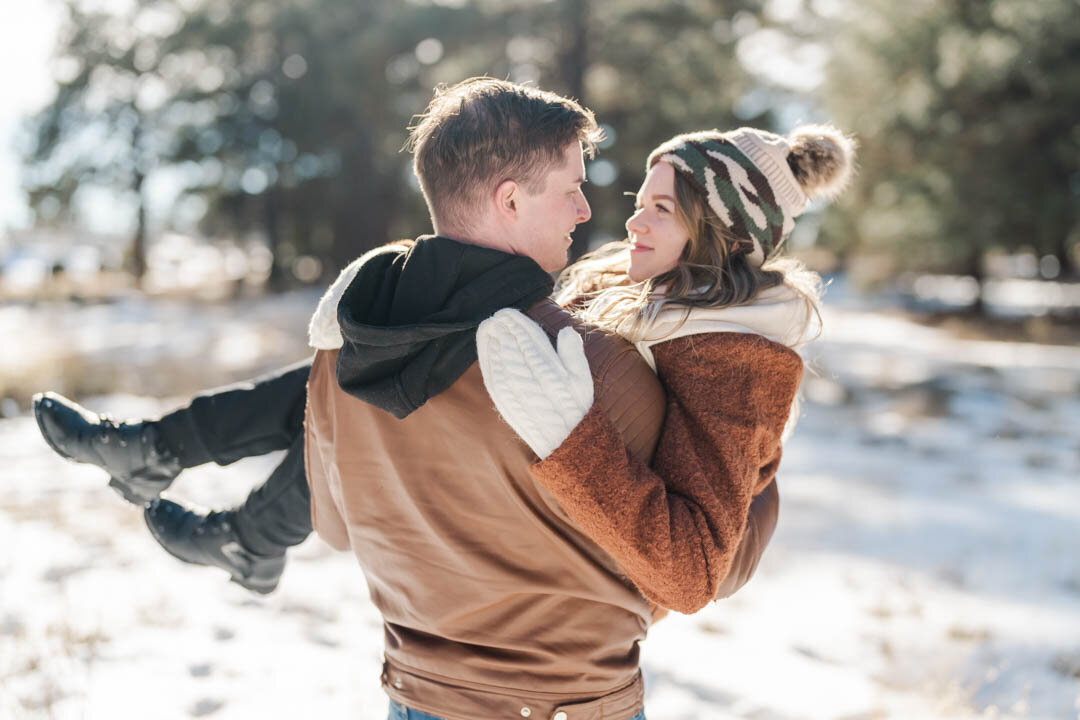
{"type": "Point", "coordinates": [635, 224]}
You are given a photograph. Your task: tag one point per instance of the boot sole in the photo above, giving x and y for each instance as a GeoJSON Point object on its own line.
{"type": "Point", "coordinates": [261, 587]}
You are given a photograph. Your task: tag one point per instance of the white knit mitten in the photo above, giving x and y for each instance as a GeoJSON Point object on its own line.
{"type": "Point", "coordinates": [540, 392]}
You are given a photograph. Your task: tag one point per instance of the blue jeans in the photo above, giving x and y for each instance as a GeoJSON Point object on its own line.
{"type": "Point", "coordinates": [400, 712]}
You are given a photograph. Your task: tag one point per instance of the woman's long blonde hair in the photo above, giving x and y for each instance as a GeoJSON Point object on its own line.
{"type": "Point", "coordinates": [599, 290]}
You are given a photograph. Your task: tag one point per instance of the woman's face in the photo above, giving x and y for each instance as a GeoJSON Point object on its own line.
{"type": "Point", "coordinates": [657, 236]}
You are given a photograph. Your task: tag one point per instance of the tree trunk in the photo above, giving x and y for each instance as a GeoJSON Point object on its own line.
{"type": "Point", "coordinates": [365, 224]}
{"type": "Point", "coordinates": [369, 203]}
{"type": "Point", "coordinates": [975, 269]}
{"type": "Point", "coordinates": [1066, 254]}
{"type": "Point", "coordinates": [279, 278]}
{"type": "Point", "coordinates": [572, 69]}
{"type": "Point", "coordinates": [138, 243]}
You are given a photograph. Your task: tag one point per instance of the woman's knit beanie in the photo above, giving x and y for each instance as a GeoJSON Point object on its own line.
{"type": "Point", "coordinates": [758, 182]}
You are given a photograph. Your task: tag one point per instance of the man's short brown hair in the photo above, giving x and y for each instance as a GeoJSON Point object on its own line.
{"type": "Point", "coordinates": [482, 131]}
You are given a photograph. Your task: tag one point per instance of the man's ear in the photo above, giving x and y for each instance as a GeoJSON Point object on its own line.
{"type": "Point", "coordinates": [506, 197]}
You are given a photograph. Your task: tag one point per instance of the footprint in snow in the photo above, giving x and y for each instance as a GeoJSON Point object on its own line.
{"type": "Point", "coordinates": [206, 706]}
{"type": "Point", "coordinates": [201, 670]}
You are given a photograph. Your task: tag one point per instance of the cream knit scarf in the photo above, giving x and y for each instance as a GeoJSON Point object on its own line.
{"type": "Point", "coordinates": [778, 314]}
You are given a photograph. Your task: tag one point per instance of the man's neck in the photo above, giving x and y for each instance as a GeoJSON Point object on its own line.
{"type": "Point", "coordinates": [481, 237]}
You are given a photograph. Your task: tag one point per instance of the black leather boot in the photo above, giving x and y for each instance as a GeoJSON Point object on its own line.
{"type": "Point", "coordinates": [140, 465]}
{"type": "Point", "coordinates": [211, 539]}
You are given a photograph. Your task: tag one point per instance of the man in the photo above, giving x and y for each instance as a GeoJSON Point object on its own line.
{"type": "Point", "coordinates": [494, 603]}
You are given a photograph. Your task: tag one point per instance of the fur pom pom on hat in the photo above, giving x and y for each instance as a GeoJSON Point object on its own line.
{"type": "Point", "coordinates": [758, 182]}
{"type": "Point", "coordinates": [822, 159]}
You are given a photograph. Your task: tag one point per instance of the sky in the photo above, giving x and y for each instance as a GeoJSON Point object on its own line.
{"type": "Point", "coordinates": [26, 41]}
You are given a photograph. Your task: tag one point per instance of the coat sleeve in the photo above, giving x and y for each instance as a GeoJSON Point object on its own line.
{"type": "Point", "coordinates": [760, 525]}
{"type": "Point", "coordinates": [677, 528]}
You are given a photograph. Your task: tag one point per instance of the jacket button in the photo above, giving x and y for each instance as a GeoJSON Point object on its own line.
{"type": "Point", "coordinates": [559, 716]}
{"type": "Point", "coordinates": [398, 684]}
{"type": "Point", "coordinates": [525, 712]}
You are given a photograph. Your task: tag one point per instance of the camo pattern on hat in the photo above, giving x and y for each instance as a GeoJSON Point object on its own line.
{"type": "Point", "coordinates": [746, 181]}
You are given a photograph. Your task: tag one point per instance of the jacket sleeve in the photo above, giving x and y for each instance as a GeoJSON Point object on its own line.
{"type": "Point", "coordinates": [760, 525]}
{"type": "Point", "coordinates": [679, 529]}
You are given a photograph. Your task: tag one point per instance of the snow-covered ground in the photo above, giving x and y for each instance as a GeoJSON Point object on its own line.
{"type": "Point", "coordinates": [926, 564]}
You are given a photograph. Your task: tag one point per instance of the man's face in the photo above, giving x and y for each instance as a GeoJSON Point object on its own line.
{"type": "Point", "coordinates": [546, 219]}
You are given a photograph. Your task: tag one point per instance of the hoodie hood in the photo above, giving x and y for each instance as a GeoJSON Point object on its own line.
{"type": "Point", "coordinates": [407, 316]}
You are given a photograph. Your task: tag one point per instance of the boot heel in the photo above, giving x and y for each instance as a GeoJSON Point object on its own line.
{"type": "Point", "coordinates": [261, 587]}
{"type": "Point", "coordinates": [124, 490]}
{"type": "Point", "coordinates": [211, 540]}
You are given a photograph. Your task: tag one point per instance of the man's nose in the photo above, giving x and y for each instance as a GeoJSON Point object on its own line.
{"type": "Point", "coordinates": [584, 211]}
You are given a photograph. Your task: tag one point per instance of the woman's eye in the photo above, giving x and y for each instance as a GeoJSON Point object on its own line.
{"type": "Point", "coordinates": [661, 208]}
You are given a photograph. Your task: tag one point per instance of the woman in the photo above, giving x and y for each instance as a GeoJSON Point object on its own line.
{"type": "Point", "coordinates": [701, 291]}
{"type": "Point", "coordinates": [704, 296]}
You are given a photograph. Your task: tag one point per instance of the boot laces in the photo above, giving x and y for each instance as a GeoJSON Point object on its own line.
{"type": "Point", "coordinates": [108, 425]}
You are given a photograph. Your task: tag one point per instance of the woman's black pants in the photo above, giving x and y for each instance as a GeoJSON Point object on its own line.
{"type": "Point", "coordinates": [249, 418]}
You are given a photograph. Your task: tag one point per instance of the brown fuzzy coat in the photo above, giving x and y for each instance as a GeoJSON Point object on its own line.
{"type": "Point", "coordinates": [674, 528]}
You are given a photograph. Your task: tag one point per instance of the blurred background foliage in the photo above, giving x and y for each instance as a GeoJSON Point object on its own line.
{"type": "Point", "coordinates": [282, 120]}
{"type": "Point", "coordinates": [971, 138]}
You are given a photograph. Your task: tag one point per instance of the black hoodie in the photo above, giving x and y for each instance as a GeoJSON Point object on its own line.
{"type": "Point", "coordinates": [409, 317]}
